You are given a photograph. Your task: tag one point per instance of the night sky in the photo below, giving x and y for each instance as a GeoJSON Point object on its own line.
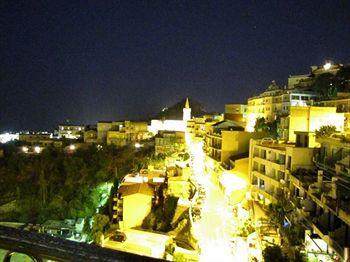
{"type": "Point", "coordinates": [97, 60]}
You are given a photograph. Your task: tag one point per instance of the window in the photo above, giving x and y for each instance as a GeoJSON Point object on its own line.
{"type": "Point", "coordinates": [305, 98]}
{"type": "Point", "coordinates": [295, 97]}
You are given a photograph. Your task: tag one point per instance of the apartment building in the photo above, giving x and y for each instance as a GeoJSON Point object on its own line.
{"type": "Point", "coordinates": [321, 197]}
{"type": "Point", "coordinates": [34, 138]}
{"type": "Point", "coordinates": [309, 119]}
{"type": "Point", "coordinates": [90, 134]}
{"type": "Point", "coordinates": [133, 202]}
{"type": "Point", "coordinates": [269, 165]}
{"type": "Point", "coordinates": [235, 112]}
{"type": "Point", "coordinates": [276, 101]}
{"type": "Point", "coordinates": [226, 139]}
{"type": "Point", "coordinates": [121, 133]}
{"type": "Point", "coordinates": [342, 104]}
{"type": "Point", "coordinates": [197, 126]}
{"type": "Point", "coordinates": [70, 131]}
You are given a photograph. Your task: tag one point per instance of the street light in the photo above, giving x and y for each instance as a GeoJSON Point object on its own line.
{"type": "Point", "coordinates": [37, 149]}
{"type": "Point", "coordinates": [72, 147]}
{"type": "Point", "coordinates": [137, 145]}
{"type": "Point", "coordinates": [25, 149]}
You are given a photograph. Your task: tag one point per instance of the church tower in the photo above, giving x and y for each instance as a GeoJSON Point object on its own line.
{"type": "Point", "coordinates": [186, 111]}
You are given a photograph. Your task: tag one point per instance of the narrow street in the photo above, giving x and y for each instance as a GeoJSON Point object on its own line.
{"type": "Point", "coordinates": [215, 228]}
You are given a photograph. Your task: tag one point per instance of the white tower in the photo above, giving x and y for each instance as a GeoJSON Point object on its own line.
{"type": "Point", "coordinates": [186, 111]}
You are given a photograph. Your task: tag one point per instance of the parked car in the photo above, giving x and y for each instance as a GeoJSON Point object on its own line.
{"type": "Point", "coordinates": [118, 237]}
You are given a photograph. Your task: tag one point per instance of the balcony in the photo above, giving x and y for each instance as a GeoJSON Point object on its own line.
{"type": "Point", "coordinates": [274, 180]}
{"type": "Point", "coordinates": [276, 164]}
{"type": "Point", "coordinates": [302, 178]}
{"type": "Point", "coordinates": [271, 196]}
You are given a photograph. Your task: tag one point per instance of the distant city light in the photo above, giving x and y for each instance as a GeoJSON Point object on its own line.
{"type": "Point", "coordinates": [327, 66]}
{"type": "Point", "coordinates": [37, 149]}
{"type": "Point", "coordinates": [25, 149]}
{"type": "Point", "coordinates": [7, 137]}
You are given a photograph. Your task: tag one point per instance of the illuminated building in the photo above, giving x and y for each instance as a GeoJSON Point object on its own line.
{"type": "Point", "coordinates": [269, 163]}
{"type": "Point", "coordinates": [312, 186]}
{"type": "Point", "coordinates": [7, 137]}
{"type": "Point", "coordinates": [39, 139]}
{"type": "Point", "coordinates": [227, 138]}
{"type": "Point", "coordinates": [172, 125]}
{"type": "Point", "coordinates": [178, 182]}
{"type": "Point", "coordinates": [103, 127]}
{"type": "Point", "coordinates": [197, 126]}
{"type": "Point", "coordinates": [121, 133]}
{"type": "Point", "coordinates": [70, 131]}
{"type": "Point", "coordinates": [90, 134]}
{"type": "Point", "coordinates": [321, 198]}
{"type": "Point", "coordinates": [167, 142]}
{"type": "Point", "coordinates": [186, 111]}
{"type": "Point", "coordinates": [342, 103]}
{"type": "Point", "coordinates": [33, 138]}
{"type": "Point", "coordinates": [275, 102]}
{"type": "Point", "coordinates": [132, 204]}
{"type": "Point", "coordinates": [235, 112]}
{"type": "Point", "coordinates": [309, 119]}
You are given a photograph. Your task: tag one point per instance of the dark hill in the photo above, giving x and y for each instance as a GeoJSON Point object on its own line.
{"type": "Point", "coordinates": [175, 112]}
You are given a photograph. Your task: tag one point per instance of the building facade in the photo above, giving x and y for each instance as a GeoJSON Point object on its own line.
{"type": "Point", "coordinates": [343, 106]}
{"type": "Point", "coordinates": [236, 112]}
{"type": "Point", "coordinates": [275, 102]}
{"type": "Point", "coordinates": [167, 142]}
{"type": "Point", "coordinates": [226, 139]}
{"type": "Point", "coordinates": [71, 131]}
{"type": "Point", "coordinates": [309, 119]}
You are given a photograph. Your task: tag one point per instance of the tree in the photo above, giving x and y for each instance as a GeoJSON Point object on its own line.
{"type": "Point", "coordinates": [274, 253]}
{"type": "Point", "coordinates": [325, 131]}
{"type": "Point", "coordinates": [326, 85]}
{"type": "Point", "coordinates": [260, 125]}
{"type": "Point", "coordinates": [99, 226]}
{"type": "Point", "coordinates": [272, 128]}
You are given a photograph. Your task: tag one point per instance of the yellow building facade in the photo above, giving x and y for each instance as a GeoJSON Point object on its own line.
{"type": "Point", "coordinates": [343, 106]}
{"type": "Point", "coordinates": [270, 164]}
{"type": "Point", "coordinates": [275, 102]}
{"type": "Point", "coordinates": [132, 204]}
{"type": "Point", "coordinates": [310, 119]}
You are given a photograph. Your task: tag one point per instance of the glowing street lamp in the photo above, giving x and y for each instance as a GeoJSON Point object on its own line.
{"type": "Point", "coordinates": [137, 145]}
{"type": "Point", "coordinates": [72, 147]}
{"type": "Point", "coordinates": [25, 149]}
{"type": "Point", "coordinates": [37, 149]}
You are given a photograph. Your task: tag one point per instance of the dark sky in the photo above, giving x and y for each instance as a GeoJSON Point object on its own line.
{"type": "Point", "coordinates": [98, 60]}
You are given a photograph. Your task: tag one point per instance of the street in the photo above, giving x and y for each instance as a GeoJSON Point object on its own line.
{"type": "Point", "coordinates": [215, 229]}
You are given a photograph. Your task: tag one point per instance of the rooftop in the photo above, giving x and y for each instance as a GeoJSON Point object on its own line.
{"type": "Point", "coordinates": [136, 188]}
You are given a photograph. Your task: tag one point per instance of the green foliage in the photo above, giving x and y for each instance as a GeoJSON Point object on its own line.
{"type": "Point", "coordinates": [274, 253]}
{"type": "Point", "coordinates": [300, 257]}
{"type": "Point", "coordinates": [325, 131]}
{"type": "Point", "coordinates": [161, 216]}
{"type": "Point", "coordinates": [55, 185]}
{"type": "Point", "coordinates": [272, 128]}
{"type": "Point", "coordinates": [260, 125]}
{"type": "Point", "coordinates": [326, 85]}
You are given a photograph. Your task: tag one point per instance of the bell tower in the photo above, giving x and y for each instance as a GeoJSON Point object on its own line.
{"type": "Point", "coordinates": [186, 111]}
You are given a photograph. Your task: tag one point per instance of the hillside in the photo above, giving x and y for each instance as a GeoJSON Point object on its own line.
{"type": "Point", "coordinates": [175, 111]}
